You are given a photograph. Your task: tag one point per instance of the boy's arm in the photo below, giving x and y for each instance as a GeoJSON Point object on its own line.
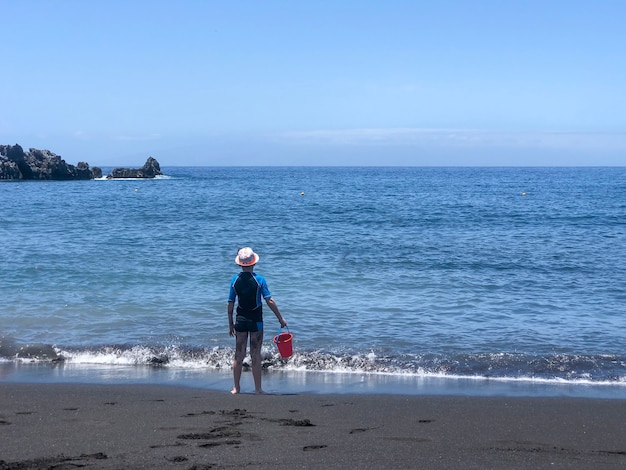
{"type": "Point", "coordinates": [231, 324]}
{"type": "Point", "coordinates": [274, 308]}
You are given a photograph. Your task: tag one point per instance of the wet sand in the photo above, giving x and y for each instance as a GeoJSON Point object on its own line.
{"type": "Point", "coordinates": [66, 426]}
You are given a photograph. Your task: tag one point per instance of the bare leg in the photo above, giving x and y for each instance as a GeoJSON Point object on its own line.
{"type": "Point", "coordinates": [240, 354]}
{"type": "Point", "coordinates": [256, 341]}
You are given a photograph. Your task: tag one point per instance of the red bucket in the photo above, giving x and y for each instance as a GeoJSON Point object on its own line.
{"type": "Point", "coordinates": [283, 341]}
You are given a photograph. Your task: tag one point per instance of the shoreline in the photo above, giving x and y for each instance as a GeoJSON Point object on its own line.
{"type": "Point", "coordinates": [310, 382]}
{"type": "Point", "coordinates": [158, 426]}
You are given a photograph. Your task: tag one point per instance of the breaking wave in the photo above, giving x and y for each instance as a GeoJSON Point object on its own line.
{"type": "Point", "coordinates": [557, 368]}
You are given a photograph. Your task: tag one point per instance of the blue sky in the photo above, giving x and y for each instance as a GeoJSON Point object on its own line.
{"type": "Point", "coordinates": [316, 82]}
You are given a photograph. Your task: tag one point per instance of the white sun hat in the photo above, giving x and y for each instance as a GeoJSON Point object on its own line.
{"type": "Point", "coordinates": [246, 257]}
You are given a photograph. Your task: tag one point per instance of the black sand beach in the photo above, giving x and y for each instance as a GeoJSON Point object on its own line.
{"type": "Point", "coordinates": [65, 426]}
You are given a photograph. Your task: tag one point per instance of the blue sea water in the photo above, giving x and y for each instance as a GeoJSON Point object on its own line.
{"type": "Point", "coordinates": [418, 280]}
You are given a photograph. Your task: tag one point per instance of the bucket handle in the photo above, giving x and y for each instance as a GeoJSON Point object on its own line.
{"type": "Point", "coordinates": [278, 333]}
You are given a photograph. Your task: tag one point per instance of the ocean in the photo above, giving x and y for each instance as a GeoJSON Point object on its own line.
{"type": "Point", "coordinates": [392, 280]}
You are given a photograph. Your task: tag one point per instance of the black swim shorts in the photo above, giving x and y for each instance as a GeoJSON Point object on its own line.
{"type": "Point", "coordinates": [243, 324]}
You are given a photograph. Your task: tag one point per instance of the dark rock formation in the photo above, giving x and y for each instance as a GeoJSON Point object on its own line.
{"type": "Point", "coordinates": [15, 164]}
{"type": "Point", "coordinates": [150, 169]}
{"type": "Point", "coordinates": [11, 349]}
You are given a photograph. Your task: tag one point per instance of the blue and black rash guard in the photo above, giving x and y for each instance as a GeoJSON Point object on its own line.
{"type": "Point", "coordinates": [249, 289]}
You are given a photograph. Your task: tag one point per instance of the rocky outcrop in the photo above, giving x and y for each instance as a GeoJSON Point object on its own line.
{"type": "Point", "coordinates": [11, 349]}
{"type": "Point", "coordinates": [15, 164]}
{"type": "Point", "coordinates": [150, 169]}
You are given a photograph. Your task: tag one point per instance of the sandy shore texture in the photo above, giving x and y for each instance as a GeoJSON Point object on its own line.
{"type": "Point", "coordinates": [65, 426]}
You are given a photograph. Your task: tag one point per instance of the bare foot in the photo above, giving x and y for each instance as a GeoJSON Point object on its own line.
{"type": "Point", "coordinates": [259, 392]}
{"type": "Point", "coordinates": [234, 391]}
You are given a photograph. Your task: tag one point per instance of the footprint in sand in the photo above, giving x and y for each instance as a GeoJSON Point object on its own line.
{"type": "Point", "coordinates": [308, 448]}
{"type": "Point", "coordinates": [202, 413]}
{"type": "Point", "coordinates": [294, 422]}
{"type": "Point", "coordinates": [230, 442]}
{"type": "Point", "coordinates": [358, 430]}
{"type": "Point", "coordinates": [215, 433]}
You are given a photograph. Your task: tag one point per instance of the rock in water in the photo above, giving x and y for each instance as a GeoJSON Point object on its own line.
{"type": "Point", "coordinates": [150, 169]}
{"type": "Point", "coordinates": [15, 164]}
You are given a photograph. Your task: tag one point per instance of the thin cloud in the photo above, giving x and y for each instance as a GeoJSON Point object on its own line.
{"type": "Point", "coordinates": [457, 138]}
{"type": "Point", "coordinates": [136, 138]}
{"type": "Point", "coordinates": [82, 135]}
